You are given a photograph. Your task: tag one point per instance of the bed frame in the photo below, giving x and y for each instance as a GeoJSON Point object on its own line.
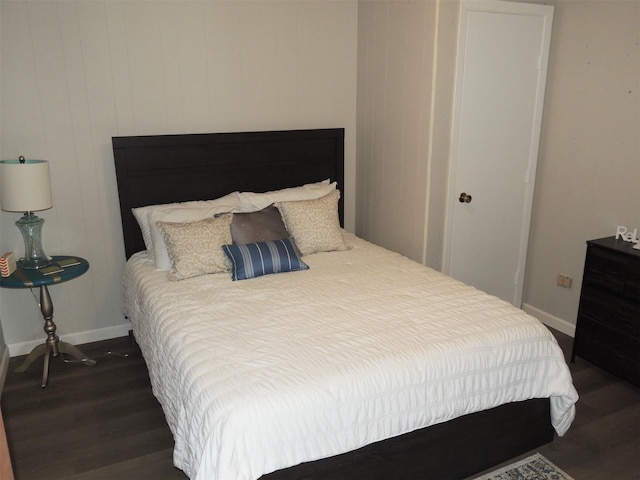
{"type": "Point", "coordinates": [175, 168]}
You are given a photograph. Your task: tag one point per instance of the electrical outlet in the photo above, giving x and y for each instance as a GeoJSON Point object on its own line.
{"type": "Point", "coordinates": [564, 281]}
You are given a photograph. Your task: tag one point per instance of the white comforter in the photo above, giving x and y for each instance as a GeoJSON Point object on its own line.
{"type": "Point", "coordinates": [261, 374]}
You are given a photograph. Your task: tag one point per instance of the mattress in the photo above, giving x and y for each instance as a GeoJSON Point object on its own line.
{"type": "Point", "coordinates": [258, 375]}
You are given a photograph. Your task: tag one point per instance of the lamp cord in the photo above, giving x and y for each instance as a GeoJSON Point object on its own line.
{"type": "Point", "coordinates": [104, 355]}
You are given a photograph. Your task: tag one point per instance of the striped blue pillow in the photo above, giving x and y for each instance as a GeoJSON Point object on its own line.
{"type": "Point", "coordinates": [263, 258]}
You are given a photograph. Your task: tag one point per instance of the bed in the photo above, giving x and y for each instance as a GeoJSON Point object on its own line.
{"type": "Point", "coordinates": [354, 363]}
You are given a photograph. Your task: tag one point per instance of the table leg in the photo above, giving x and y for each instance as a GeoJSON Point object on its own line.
{"type": "Point", "coordinates": [38, 351]}
{"type": "Point", "coordinates": [53, 346]}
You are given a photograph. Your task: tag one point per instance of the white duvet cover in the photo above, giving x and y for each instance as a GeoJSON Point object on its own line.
{"type": "Point", "coordinates": [262, 374]}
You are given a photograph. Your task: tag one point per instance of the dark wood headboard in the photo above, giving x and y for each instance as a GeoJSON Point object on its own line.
{"type": "Point", "coordinates": [161, 169]}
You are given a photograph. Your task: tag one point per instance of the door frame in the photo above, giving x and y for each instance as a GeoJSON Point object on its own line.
{"type": "Point", "coordinates": [498, 6]}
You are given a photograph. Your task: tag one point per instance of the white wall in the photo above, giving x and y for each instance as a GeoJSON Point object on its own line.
{"type": "Point", "coordinates": [395, 46]}
{"type": "Point", "coordinates": [588, 179]}
{"type": "Point", "coordinates": [74, 74]}
{"type": "Point", "coordinates": [406, 62]}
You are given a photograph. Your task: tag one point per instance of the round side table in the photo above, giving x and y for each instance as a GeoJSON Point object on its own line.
{"type": "Point", "coordinates": [70, 267]}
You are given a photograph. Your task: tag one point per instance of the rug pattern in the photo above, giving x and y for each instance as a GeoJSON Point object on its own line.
{"type": "Point", "coordinates": [535, 467]}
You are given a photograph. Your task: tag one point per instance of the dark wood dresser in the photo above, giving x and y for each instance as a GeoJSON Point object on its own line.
{"type": "Point", "coordinates": [608, 324]}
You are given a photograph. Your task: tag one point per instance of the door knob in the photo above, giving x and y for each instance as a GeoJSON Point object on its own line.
{"type": "Point", "coordinates": [464, 198]}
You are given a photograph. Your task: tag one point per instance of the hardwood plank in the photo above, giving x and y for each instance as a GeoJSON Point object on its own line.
{"type": "Point", "coordinates": [155, 465]}
{"type": "Point", "coordinates": [89, 422]}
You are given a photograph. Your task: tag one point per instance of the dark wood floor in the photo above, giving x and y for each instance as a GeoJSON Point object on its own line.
{"type": "Point", "coordinates": [93, 423]}
{"type": "Point", "coordinates": [103, 422]}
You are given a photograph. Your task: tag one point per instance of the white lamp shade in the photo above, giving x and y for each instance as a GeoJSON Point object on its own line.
{"type": "Point", "coordinates": [25, 187]}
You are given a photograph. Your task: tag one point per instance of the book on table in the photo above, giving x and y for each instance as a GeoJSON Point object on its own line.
{"type": "Point", "coordinates": [68, 262]}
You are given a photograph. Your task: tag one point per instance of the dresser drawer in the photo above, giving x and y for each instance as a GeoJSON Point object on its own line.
{"type": "Point", "coordinates": [611, 311]}
{"type": "Point", "coordinates": [607, 270]}
{"type": "Point", "coordinates": [632, 286]}
{"type": "Point", "coordinates": [617, 354]}
{"type": "Point", "coordinates": [608, 323]}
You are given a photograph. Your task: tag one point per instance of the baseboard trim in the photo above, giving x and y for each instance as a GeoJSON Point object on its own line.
{"type": "Point", "coordinates": [550, 320]}
{"type": "Point", "coordinates": [78, 338]}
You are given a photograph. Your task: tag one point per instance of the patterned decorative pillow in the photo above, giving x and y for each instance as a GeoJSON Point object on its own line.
{"type": "Point", "coordinates": [195, 247]}
{"type": "Point", "coordinates": [314, 224]}
{"type": "Point", "coordinates": [261, 226]}
{"type": "Point", "coordinates": [176, 215]}
{"type": "Point", "coordinates": [263, 258]}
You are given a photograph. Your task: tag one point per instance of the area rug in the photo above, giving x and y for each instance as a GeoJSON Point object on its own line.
{"type": "Point", "coordinates": [535, 467]}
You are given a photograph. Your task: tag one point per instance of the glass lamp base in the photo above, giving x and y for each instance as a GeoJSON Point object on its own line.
{"type": "Point", "coordinates": [30, 226]}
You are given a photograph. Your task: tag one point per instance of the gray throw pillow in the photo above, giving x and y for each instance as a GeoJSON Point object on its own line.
{"type": "Point", "coordinates": [264, 225]}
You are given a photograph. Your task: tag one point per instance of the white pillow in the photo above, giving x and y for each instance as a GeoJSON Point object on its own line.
{"type": "Point", "coordinates": [230, 201]}
{"type": "Point", "coordinates": [252, 202]}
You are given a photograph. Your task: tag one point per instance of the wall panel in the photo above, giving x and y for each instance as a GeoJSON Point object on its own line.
{"type": "Point", "coordinates": [396, 50]}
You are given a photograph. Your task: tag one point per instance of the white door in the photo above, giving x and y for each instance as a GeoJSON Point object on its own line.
{"type": "Point", "coordinates": [502, 62]}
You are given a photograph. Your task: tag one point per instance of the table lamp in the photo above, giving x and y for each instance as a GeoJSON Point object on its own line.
{"type": "Point", "coordinates": [25, 187]}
